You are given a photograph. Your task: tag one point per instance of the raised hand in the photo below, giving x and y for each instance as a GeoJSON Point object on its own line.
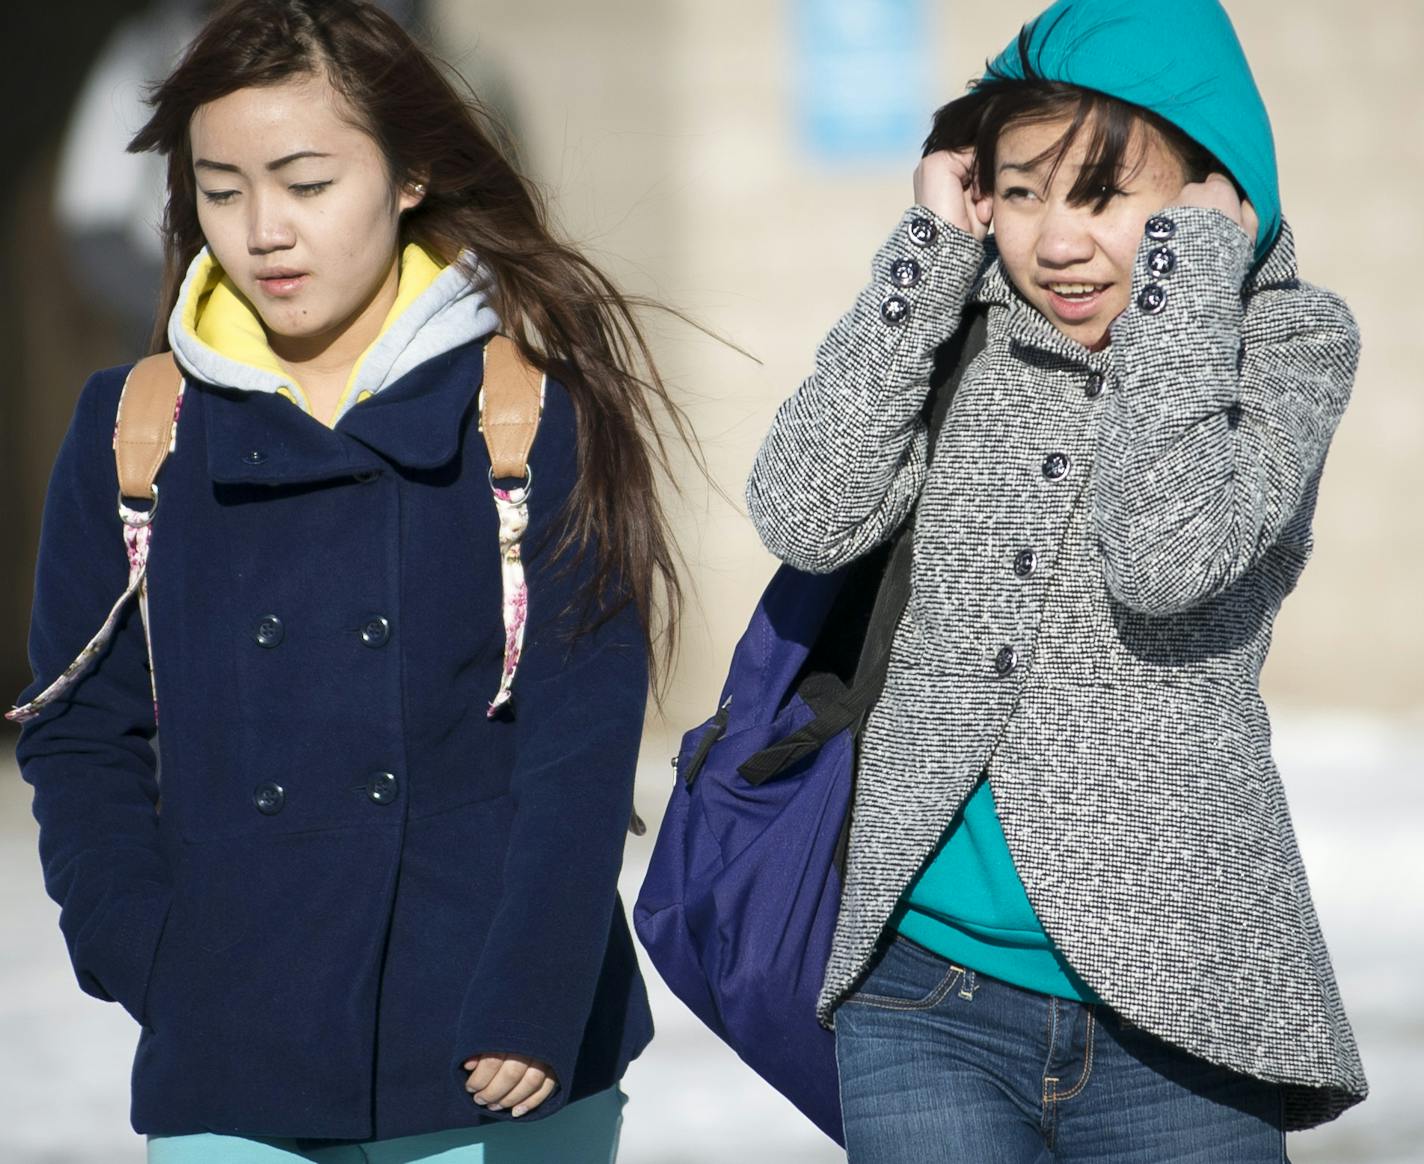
{"type": "Point", "coordinates": [944, 183]}
{"type": "Point", "coordinates": [1218, 193]}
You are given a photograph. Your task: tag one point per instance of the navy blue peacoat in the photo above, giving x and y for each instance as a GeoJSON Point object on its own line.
{"type": "Point", "coordinates": [353, 879]}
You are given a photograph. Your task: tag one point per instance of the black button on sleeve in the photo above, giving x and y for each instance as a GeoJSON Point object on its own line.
{"type": "Point", "coordinates": [269, 631]}
{"type": "Point", "coordinates": [376, 631]}
{"type": "Point", "coordinates": [1025, 562]}
{"type": "Point", "coordinates": [269, 798]}
{"type": "Point", "coordinates": [895, 310]}
{"type": "Point", "coordinates": [905, 272]}
{"type": "Point", "coordinates": [1162, 262]}
{"type": "Point", "coordinates": [1006, 661]}
{"type": "Point", "coordinates": [1160, 228]}
{"type": "Point", "coordinates": [254, 456]}
{"type": "Point", "coordinates": [1152, 298]}
{"type": "Point", "coordinates": [923, 232]}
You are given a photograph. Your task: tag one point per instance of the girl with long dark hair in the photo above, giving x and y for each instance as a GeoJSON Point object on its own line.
{"type": "Point", "coordinates": [360, 893]}
{"type": "Point", "coordinates": [1075, 924]}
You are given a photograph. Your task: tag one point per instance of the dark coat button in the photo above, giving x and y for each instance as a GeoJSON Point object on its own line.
{"type": "Point", "coordinates": [895, 310]}
{"type": "Point", "coordinates": [1025, 562]}
{"type": "Point", "coordinates": [254, 456]}
{"type": "Point", "coordinates": [1006, 661]}
{"type": "Point", "coordinates": [1162, 262]}
{"type": "Point", "coordinates": [269, 631]}
{"type": "Point", "coordinates": [1160, 228]}
{"type": "Point", "coordinates": [1152, 298]}
{"type": "Point", "coordinates": [1056, 466]}
{"type": "Point", "coordinates": [382, 787]}
{"type": "Point", "coordinates": [376, 631]}
{"type": "Point", "coordinates": [1094, 387]}
{"type": "Point", "coordinates": [269, 798]}
{"type": "Point", "coordinates": [905, 273]}
{"type": "Point", "coordinates": [923, 232]}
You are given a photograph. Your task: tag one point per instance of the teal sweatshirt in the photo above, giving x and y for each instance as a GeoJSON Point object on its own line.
{"type": "Point", "coordinates": [969, 907]}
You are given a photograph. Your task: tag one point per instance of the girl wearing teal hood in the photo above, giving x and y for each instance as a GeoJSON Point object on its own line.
{"type": "Point", "coordinates": [1075, 924]}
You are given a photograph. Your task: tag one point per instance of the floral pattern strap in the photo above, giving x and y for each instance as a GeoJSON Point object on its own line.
{"type": "Point", "coordinates": [513, 508]}
{"type": "Point", "coordinates": [138, 536]}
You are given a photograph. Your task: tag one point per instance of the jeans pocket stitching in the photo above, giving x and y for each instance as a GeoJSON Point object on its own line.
{"type": "Point", "coordinates": [1076, 1089]}
{"type": "Point", "coordinates": [932, 999]}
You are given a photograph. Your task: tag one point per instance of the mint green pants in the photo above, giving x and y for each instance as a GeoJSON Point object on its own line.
{"type": "Point", "coordinates": [585, 1132]}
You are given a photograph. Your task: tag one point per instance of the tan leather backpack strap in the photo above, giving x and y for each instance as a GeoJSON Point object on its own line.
{"type": "Point", "coordinates": [510, 404]}
{"type": "Point", "coordinates": [143, 434]}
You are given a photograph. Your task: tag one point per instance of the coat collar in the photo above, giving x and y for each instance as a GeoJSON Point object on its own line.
{"type": "Point", "coordinates": [418, 422]}
{"type": "Point", "coordinates": [1013, 320]}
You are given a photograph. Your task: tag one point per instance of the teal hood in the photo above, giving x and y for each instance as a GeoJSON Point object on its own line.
{"type": "Point", "coordinates": [1179, 59]}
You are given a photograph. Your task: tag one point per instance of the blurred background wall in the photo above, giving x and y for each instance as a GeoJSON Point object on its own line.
{"type": "Point", "coordinates": [685, 144]}
{"type": "Point", "coordinates": [673, 137]}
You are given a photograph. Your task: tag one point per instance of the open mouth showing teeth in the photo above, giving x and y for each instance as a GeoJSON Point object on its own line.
{"type": "Point", "coordinates": [1076, 290]}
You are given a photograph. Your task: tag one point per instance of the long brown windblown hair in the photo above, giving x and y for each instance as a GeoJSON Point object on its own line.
{"type": "Point", "coordinates": [563, 312]}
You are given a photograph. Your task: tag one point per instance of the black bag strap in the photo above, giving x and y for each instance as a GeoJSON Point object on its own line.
{"type": "Point", "coordinates": [837, 705]}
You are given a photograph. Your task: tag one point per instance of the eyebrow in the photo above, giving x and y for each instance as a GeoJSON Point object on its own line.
{"type": "Point", "coordinates": [1022, 167]}
{"type": "Point", "coordinates": [229, 168]}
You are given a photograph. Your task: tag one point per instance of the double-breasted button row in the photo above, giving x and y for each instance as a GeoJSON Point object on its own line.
{"type": "Point", "coordinates": [270, 797]}
{"type": "Point", "coordinates": [269, 631]}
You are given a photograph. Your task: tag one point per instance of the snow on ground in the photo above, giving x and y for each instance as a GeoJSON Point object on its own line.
{"type": "Point", "coordinates": [1357, 791]}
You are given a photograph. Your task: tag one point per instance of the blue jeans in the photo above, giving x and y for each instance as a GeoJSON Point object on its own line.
{"type": "Point", "coordinates": [938, 1064]}
{"type": "Point", "coordinates": [585, 1132]}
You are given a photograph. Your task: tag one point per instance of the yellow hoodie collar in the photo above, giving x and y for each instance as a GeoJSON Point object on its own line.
{"type": "Point", "coordinates": [216, 314]}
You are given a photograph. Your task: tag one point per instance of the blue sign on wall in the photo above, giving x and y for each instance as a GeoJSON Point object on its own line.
{"type": "Point", "coordinates": [861, 78]}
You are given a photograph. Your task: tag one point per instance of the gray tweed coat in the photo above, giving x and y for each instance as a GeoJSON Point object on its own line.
{"type": "Point", "coordinates": [1100, 548]}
